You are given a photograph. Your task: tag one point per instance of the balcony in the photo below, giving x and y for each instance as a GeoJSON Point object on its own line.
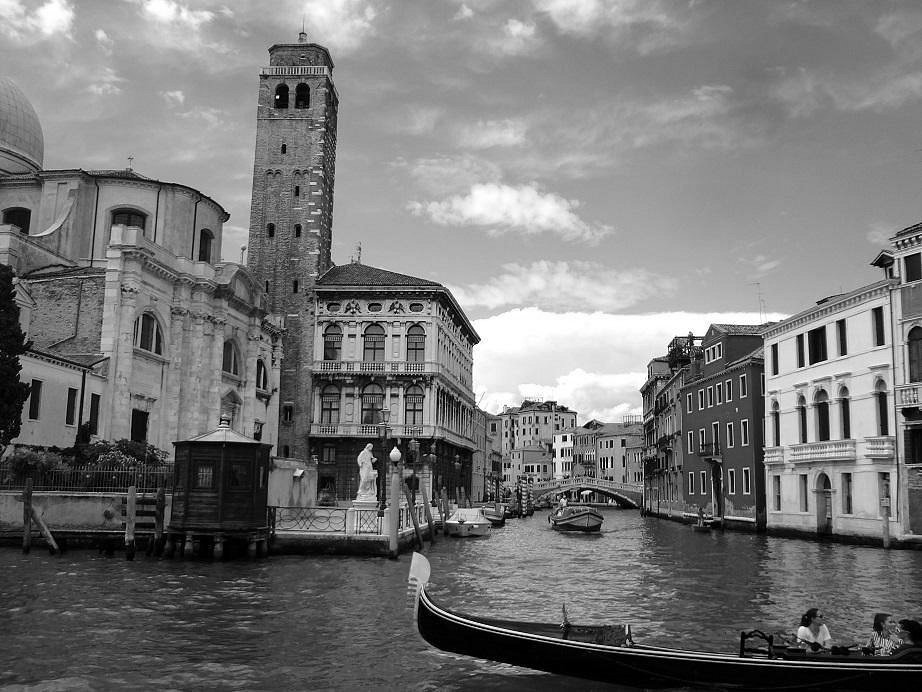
{"type": "Point", "coordinates": [880, 448]}
{"type": "Point", "coordinates": [909, 394]}
{"type": "Point", "coordinates": [773, 455]}
{"type": "Point", "coordinates": [405, 432]}
{"type": "Point", "coordinates": [709, 449]}
{"type": "Point", "coordinates": [396, 367]}
{"type": "Point", "coordinates": [830, 450]}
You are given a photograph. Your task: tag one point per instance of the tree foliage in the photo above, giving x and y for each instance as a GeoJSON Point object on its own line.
{"type": "Point", "coordinates": [13, 392]}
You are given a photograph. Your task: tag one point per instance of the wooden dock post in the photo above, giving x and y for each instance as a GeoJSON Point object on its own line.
{"type": "Point", "coordinates": [130, 510]}
{"type": "Point", "coordinates": [27, 516]}
{"type": "Point", "coordinates": [428, 510]}
{"type": "Point", "coordinates": [155, 547]}
{"type": "Point", "coordinates": [46, 532]}
{"type": "Point", "coordinates": [419, 534]}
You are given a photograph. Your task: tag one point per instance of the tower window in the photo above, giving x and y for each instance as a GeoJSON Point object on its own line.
{"type": "Point", "coordinates": [147, 334]}
{"type": "Point", "coordinates": [18, 216]}
{"type": "Point", "coordinates": [297, 230]}
{"type": "Point", "coordinates": [267, 287]}
{"type": "Point", "coordinates": [129, 217]}
{"type": "Point", "coordinates": [294, 286]}
{"type": "Point", "coordinates": [205, 241]}
{"type": "Point", "coordinates": [231, 360]}
{"type": "Point", "coordinates": [297, 190]}
{"type": "Point", "coordinates": [302, 96]}
{"type": "Point", "coordinates": [281, 96]}
{"type": "Point", "coordinates": [270, 230]}
{"type": "Point", "coordinates": [284, 148]}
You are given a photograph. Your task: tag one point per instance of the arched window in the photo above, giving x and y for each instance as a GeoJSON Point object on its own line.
{"type": "Point", "coordinates": [416, 344]}
{"type": "Point", "coordinates": [205, 240]}
{"type": "Point", "coordinates": [802, 419]}
{"type": "Point", "coordinates": [18, 216]}
{"type": "Point", "coordinates": [129, 217]}
{"type": "Point", "coordinates": [373, 344]}
{"type": "Point", "coordinates": [413, 409]}
{"type": "Point", "coordinates": [230, 363]}
{"type": "Point", "coordinates": [372, 404]}
{"type": "Point", "coordinates": [297, 230]}
{"type": "Point", "coordinates": [270, 230]}
{"type": "Point", "coordinates": [302, 96]}
{"type": "Point", "coordinates": [147, 334]}
{"type": "Point", "coordinates": [821, 405]}
{"type": "Point", "coordinates": [915, 354]}
{"type": "Point", "coordinates": [776, 424]}
{"type": "Point", "coordinates": [883, 417]}
{"type": "Point", "coordinates": [332, 342]}
{"type": "Point", "coordinates": [262, 375]}
{"type": "Point", "coordinates": [329, 405]}
{"type": "Point", "coordinates": [845, 413]}
{"type": "Point", "coordinates": [281, 96]}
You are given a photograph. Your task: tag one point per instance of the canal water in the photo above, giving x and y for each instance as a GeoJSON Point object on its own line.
{"type": "Point", "coordinates": [82, 621]}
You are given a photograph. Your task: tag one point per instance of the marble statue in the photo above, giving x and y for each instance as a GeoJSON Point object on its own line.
{"type": "Point", "coordinates": [367, 475]}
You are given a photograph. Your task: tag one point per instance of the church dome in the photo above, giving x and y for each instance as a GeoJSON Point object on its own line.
{"type": "Point", "coordinates": [22, 146]}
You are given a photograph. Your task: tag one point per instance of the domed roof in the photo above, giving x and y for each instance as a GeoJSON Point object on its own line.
{"type": "Point", "coordinates": [22, 146]}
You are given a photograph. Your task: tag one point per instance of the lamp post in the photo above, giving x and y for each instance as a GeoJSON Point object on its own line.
{"type": "Point", "coordinates": [385, 415]}
{"type": "Point", "coordinates": [397, 477]}
{"type": "Point", "coordinates": [459, 483]}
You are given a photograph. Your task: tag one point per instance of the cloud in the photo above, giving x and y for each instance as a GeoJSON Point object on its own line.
{"type": "Point", "coordinates": [345, 25]}
{"type": "Point", "coordinates": [23, 24]}
{"type": "Point", "coordinates": [492, 133]}
{"type": "Point", "coordinates": [443, 175]}
{"type": "Point", "coordinates": [174, 14]}
{"type": "Point", "coordinates": [103, 41]}
{"type": "Point", "coordinates": [517, 37]}
{"type": "Point", "coordinates": [576, 285]}
{"type": "Point", "coordinates": [173, 98]}
{"type": "Point", "coordinates": [880, 234]}
{"type": "Point", "coordinates": [524, 209]}
{"type": "Point", "coordinates": [414, 119]}
{"type": "Point", "coordinates": [760, 264]}
{"type": "Point", "coordinates": [593, 362]}
{"type": "Point", "coordinates": [464, 12]}
{"type": "Point", "coordinates": [806, 91]}
{"type": "Point", "coordinates": [106, 82]}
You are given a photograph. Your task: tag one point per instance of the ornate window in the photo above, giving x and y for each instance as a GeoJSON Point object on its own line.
{"type": "Point", "coordinates": [281, 96]}
{"type": "Point", "coordinates": [821, 404]}
{"type": "Point", "coordinates": [18, 216]}
{"type": "Point", "coordinates": [129, 217]}
{"type": "Point", "coordinates": [802, 419]}
{"type": "Point", "coordinates": [302, 96]}
{"type": "Point", "coordinates": [329, 405]}
{"type": "Point", "coordinates": [883, 418]}
{"type": "Point", "coordinates": [915, 354]}
{"type": "Point", "coordinates": [776, 424]}
{"type": "Point", "coordinates": [231, 361]}
{"type": "Point", "coordinates": [373, 344]}
{"type": "Point", "coordinates": [262, 375]}
{"type": "Point", "coordinates": [416, 344]}
{"type": "Point", "coordinates": [845, 413]}
{"type": "Point", "coordinates": [413, 409]}
{"type": "Point", "coordinates": [372, 404]}
{"type": "Point", "coordinates": [205, 241]}
{"type": "Point", "coordinates": [147, 334]}
{"type": "Point", "coordinates": [333, 342]}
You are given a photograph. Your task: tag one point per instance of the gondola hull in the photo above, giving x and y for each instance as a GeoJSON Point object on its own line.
{"type": "Point", "coordinates": [583, 652]}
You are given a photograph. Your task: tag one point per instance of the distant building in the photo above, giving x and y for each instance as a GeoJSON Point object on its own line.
{"type": "Point", "coordinates": [612, 443]}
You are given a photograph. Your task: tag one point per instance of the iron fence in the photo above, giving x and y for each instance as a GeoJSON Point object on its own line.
{"type": "Point", "coordinates": [324, 519]}
{"type": "Point", "coordinates": [90, 479]}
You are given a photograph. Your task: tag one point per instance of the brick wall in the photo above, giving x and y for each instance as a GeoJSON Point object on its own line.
{"type": "Point", "coordinates": [68, 311]}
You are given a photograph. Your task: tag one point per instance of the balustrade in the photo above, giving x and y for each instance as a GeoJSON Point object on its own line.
{"type": "Point", "coordinates": [829, 450]}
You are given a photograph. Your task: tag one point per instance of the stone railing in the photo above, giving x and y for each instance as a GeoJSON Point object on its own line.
{"type": "Point", "coordinates": [773, 455]}
{"type": "Point", "coordinates": [880, 447]}
{"type": "Point", "coordinates": [909, 394]}
{"type": "Point", "coordinates": [830, 450]}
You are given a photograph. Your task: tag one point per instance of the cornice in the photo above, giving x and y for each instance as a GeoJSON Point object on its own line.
{"type": "Point", "coordinates": [862, 295]}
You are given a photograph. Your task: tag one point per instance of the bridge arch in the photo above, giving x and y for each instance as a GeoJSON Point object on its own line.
{"type": "Point", "coordinates": [627, 495]}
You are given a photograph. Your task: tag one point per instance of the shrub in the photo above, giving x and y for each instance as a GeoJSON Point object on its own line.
{"type": "Point", "coordinates": [30, 462]}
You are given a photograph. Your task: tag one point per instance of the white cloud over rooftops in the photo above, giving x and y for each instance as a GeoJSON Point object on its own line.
{"type": "Point", "coordinates": [25, 23]}
{"type": "Point", "coordinates": [523, 209]}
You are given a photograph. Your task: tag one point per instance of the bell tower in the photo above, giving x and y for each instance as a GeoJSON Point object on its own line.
{"type": "Point", "coordinates": [291, 213]}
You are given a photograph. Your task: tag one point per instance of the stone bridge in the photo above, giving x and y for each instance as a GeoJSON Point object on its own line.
{"type": "Point", "coordinates": [625, 494]}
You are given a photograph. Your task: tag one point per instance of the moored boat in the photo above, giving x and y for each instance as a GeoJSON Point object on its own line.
{"type": "Point", "coordinates": [576, 518]}
{"type": "Point", "coordinates": [609, 654]}
{"type": "Point", "coordinates": [467, 521]}
{"type": "Point", "coordinates": [496, 515]}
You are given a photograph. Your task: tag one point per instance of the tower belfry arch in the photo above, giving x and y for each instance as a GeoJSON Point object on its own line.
{"type": "Point", "coordinates": [291, 211]}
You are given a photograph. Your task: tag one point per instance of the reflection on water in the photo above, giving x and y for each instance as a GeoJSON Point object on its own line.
{"type": "Point", "coordinates": [83, 621]}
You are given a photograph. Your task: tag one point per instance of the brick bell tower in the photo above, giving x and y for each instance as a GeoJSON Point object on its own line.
{"type": "Point", "coordinates": [291, 214]}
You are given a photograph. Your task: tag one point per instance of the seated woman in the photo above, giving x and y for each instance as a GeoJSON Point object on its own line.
{"type": "Point", "coordinates": [813, 633]}
{"type": "Point", "coordinates": [883, 639]}
{"type": "Point", "coordinates": [912, 635]}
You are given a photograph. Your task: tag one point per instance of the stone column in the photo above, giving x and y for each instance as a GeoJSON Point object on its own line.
{"type": "Point", "coordinates": [174, 375]}
{"type": "Point", "coordinates": [214, 353]}
{"type": "Point", "coordinates": [120, 420]}
{"type": "Point", "coordinates": [193, 398]}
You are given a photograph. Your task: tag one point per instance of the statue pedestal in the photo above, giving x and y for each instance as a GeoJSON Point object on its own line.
{"type": "Point", "coordinates": [358, 516]}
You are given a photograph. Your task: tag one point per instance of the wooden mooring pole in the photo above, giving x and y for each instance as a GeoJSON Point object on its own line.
{"type": "Point", "coordinates": [428, 510]}
{"type": "Point", "coordinates": [27, 516]}
{"type": "Point", "coordinates": [419, 534]}
{"type": "Point", "coordinates": [46, 532]}
{"type": "Point", "coordinates": [130, 508]}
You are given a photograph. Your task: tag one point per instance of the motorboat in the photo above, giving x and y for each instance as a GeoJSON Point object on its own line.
{"type": "Point", "coordinates": [576, 518]}
{"type": "Point", "coordinates": [467, 521]}
{"type": "Point", "coordinates": [609, 654]}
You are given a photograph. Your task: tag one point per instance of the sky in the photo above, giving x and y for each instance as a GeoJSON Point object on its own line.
{"type": "Point", "coordinates": [588, 177]}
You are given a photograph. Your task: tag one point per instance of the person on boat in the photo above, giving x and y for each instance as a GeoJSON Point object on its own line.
{"type": "Point", "coordinates": [912, 635]}
{"type": "Point", "coordinates": [883, 639]}
{"type": "Point", "coordinates": [562, 503]}
{"type": "Point", "coordinates": [813, 633]}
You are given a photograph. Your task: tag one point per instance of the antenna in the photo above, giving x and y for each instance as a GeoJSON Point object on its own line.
{"type": "Point", "coordinates": [243, 251]}
{"type": "Point", "coordinates": [130, 159]}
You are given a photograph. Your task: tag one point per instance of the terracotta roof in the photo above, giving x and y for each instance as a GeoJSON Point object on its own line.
{"type": "Point", "coordinates": [119, 173]}
{"type": "Point", "coordinates": [355, 274]}
{"type": "Point", "coordinates": [754, 329]}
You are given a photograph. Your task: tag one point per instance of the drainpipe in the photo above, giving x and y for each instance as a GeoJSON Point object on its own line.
{"type": "Point", "coordinates": [157, 211]}
{"type": "Point", "coordinates": [194, 222]}
{"type": "Point", "coordinates": [95, 217]}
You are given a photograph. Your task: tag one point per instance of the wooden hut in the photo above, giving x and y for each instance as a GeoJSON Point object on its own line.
{"type": "Point", "coordinates": [219, 493]}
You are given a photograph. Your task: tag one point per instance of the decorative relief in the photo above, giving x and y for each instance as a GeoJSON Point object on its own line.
{"type": "Point", "coordinates": [396, 307]}
{"type": "Point", "coordinates": [352, 307]}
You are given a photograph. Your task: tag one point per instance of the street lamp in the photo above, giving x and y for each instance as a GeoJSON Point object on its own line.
{"type": "Point", "coordinates": [385, 415]}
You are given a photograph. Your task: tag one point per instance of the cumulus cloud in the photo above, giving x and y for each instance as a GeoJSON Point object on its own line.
{"type": "Point", "coordinates": [485, 134]}
{"type": "Point", "coordinates": [344, 24]}
{"type": "Point", "coordinates": [523, 209]}
{"type": "Point", "coordinates": [169, 12]}
{"type": "Point", "coordinates": [173, 98]}
{"type": "Point", "coordinates": [105, 82]}
{"type": "Point", "coordinates": [414, 119]}
{"type": "Point", "coordinates": [577, 285]}
{"type": "Point", "coordinates": [760, 264]}
{"type": "Point", "coordinates": [104, 42]}
{"type": "Point", "coordinates": [593, 362]}
{"type": "Point", "coordinates": [464, 12]}
{"type": "Point", "coordinates": [442, 175]}
{"type": "Point", "coordinates": [24, 23]}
